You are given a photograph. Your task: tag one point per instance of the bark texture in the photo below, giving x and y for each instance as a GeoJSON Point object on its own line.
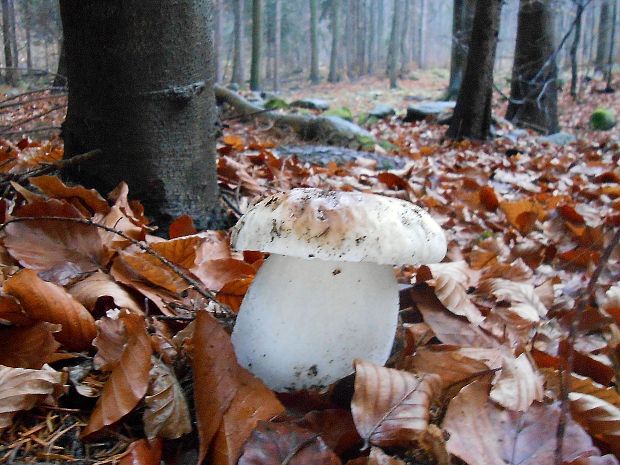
{"type": "Point", "coordinates": [604, 35]}
{"type": "Point", "coordinates": [217, 39]}
{"type": "Point", "coordinates": [314, 42]}
{"type": "Point", "coordinates": [141, 89]}
{"type": "Point", "coordinates": [394, 49]}
{"type": "Point", "coordinates": [6, 36]}
{"type": "Point", "coordinates": [238, 72]}
{"type": "Point", "coordinates": [462, 20]}
{"type": "Point", "coordinates": [333, 59]}
{"type": "Point", "coordinates": [533, 92]}
{"type": "Point", "coordinates": [277, 33]}
{"type": "Point", "coordinates": [472, 114]}
{"type": "Point", "coordinates": [257, 39]}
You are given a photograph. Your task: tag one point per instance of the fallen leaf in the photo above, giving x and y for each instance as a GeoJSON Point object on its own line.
{"type": "Point", "coordinates": [598, 417]}
{"type": "Point", "coordinates": [55, 188]}
{"type": "Point", "coordinates": [182, 226]}
{"type": "Point", "coordinates": [43, 301]}
{"type": "Point", "coordinates": [11, 312]}
{"type": "Point", "coordinates": [100, 284]}
{"type": "Point", "coordinates": [143, 452]}
{"type": "Point", "coordinates": [216, 377]}
{"type": "Point", "coordinates": [233, 292]}
{"type": "Point", "coordinates": [252, 403]}
{"type": "Point", "coordinates": [110, 342]}
{"type": "Point", "coordinates": [378, 457]}
{"type": "Point", "coordinates": [286, 443]}
{"type": "Point", "coordinates": [128, 381]}
{"type": "Point", "coordinates": [166, 414]}
{"type": "Point", "coordinates": [21, 389]}
{"type": "Point", "coordinates": [214, 274]}
{"type": "Point", "coordinates": [518, 384]}
{"type": "Point", "coordinates": [336, 427]}
{"type": "Point", "coordinates": [391, 407]}
{"type": "Point", "coordinates": [522, 214]}
{"type": "Point", "coordinates": [28, 346]}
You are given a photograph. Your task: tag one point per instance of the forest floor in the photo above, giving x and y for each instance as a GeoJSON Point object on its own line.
{"type": "Point", "coordinates": [527, 293]}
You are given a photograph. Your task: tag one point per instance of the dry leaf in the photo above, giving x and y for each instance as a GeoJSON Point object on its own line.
{"type": "Point", "coordinates": [129, 380]}
{"type": "Point", "coordinates": [29, 346]}
{"type": "Point", "coordinates": [518, 384]}
{"type": "Point", "coordinates": [166, 414]}
{"type": "Point", "coordinates": [253, 402]}
{"type": "Point", "coordinates": [391, 407]}
{"type": "Point", "coordinates": [525, 302]}
{"type": "Point", "coordinates": [336, 427]}
{"type": "Point", "coordinates": [599, 417]}
{"type": "Point", "coordinates": [90, 289]}
{"type": "Point", "coordinates": [43, 301]}
{"type": "Point", "coordinates": [286, 443]}
{"type": "Point", "coordinates": [55, 188]}
{"type": "Point", "coordinates": [233, 292]}
{"type": "Point", "coordinates": [214, 274]}
{"type": "Point", "coordinates": [11, 312]}
{"type": "Point", "coordinates": [143, 452]}
{"type": "Point", "coordinates": [522, 214]}
{"type": "Point", "coordinates": [21, 389]}
{"type": "Point", "coordinates": [216, 377]}
{"type": "Point", "coordinates": [482, 433]}
{"type": "Point", "coordinates": [182, 226]}
{"type": "Point", "coordinates": [110, 342]}
{"type": "Point", "coordinates": [378, 457]}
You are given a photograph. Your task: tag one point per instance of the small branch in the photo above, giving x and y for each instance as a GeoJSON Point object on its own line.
{"type": "Point", "coordinates": [30, 92]}
{"type": "Point", "coordinates": [27, 120]}
{"type": "Point", "coordinates": [196, 285]}
{"type": "Point", "coordinates": [572, 334]}
{"type": "Point", "coordinates": [28, 131]}
{"type": "Point", "coordinates": [35, 99]}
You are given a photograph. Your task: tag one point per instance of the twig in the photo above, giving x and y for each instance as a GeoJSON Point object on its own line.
{"type": "Point", "coordinates": [28, 131]}
{"type": "Point", "coordinates": [197, 286]}
{"type": "Point", "coordinates": [570, 357]}
{"type": "Point", "coordinates": [27, 120]}
{"type": "Point", "coordinates": [25, 102]}
{"type": "Point", "coordinates": [30, 92]}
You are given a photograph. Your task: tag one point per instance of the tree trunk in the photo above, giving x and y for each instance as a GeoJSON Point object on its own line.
{"type": "Point", "coordinates": [372, 39]}
{"type": "Point", "coordinates": [610, 60]}
{"type": "Point", "coordinates": [533, 92]}
{"type": "Point", "coordinates": [380, 32]}
{"type": "Point", "coordinates": [362, 29]}
{"type": "Point", "coordinates": [277, 32]}
{"type": "Point", "coordinates": [238, 72]}
{"type": "Point", "coordinates": [8, 52]}
{"type": "Point", "coordinates": [60, 80]}
{"type": "Point", "coordinates": [573, 50]}
{"type": "Point", "coordinates": [462, 19]}
{"type": "Point", "coordinates": [217, 39]}
{"type": "Point", "coordinates": [604, 34]}
{"type": "Point", "coordinates": [141, 90]}
{"type": "Point", "coordinates": [404, 43]}
{"type": "Point", "coordinates": [27, 27]}
{"type": "Point", "coordinates": [422, 36]}
{"type": "Point", "coordinates": [394, 48]}
{"type": "Point", "coordinates": [257, 39]}
{"type": "Point", "coordinates": [333, 59]}
{"type": "Point", "coordinates": [314, 42]}
{"type": "Point", "coordinates": [472, 114]}
{"type": "Point", "coordinates": [14, 46]}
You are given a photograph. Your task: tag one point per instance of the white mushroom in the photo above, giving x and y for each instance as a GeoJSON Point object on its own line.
{"type": "Point", "coordinates": [327, 294]}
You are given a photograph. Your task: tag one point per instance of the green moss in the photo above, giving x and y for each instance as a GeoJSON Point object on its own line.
{"type": "Point", "coordinates": [276, 104]}
{"type": "Point", "coordinates": [343, 113]}
{"type": "Point", "coordinates": [602, 119]}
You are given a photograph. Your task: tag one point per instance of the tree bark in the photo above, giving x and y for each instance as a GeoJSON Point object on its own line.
{"type": "Point", "coordinates": [8, 51]}
{"type": "Point", "coordinates": [217, 39]}
{"type": "Point", "coordinates": [13, 23]}
{"type": "Point", "coordinates": [380, 32]}
{"type": "Point", "coordinates": [372, 39]}
{"type": "Point", "coordinates": [404, 42]}
{"type": "Point", "coordinates": [394, 48]}
{"type": "Point", "coordinates": [422, 36]}
{"type": "Point", "coordinates": [333, 59]}
{"type": "Point", "coordinates": [238, 72]}
{"type": "Point", "coordinates": [533, 92]}
{"type": "Point", "coordinates": [257, 39]}
{"type": "Point", "coordinates": [472, 114]}
{"type": "Point", "coordinates": [610, 60]}
{"type": "Point", "coordinates": [60, 80]}
{"type": "Point", "coordinates": [277, 32]}
{"type": "Point", "coordinates": [604, 34]}
{"type": "Point", "coordinates": [462, 20]}
{"type": "Point", "coordinates": [27, 27]}
{"type": "Point", "coordinates": [314, 42]}
{"type": "Point", "coordinates": [573, 50]}
{"type": "Point", "coordinates": [141, 90]}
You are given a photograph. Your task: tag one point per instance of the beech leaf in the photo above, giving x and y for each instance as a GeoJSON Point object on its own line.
{"type": "Point", "coordinates": [378, 457]}
{"type": "Point", "coordinates": [99, 284]}
{"type": "Point", "coordinates": [600, 418]}
{"type": "Point", "coordinates": [110, 342]}
{"type": "Point", "coordinates": [54, 187]}
{"type": "Point", "coordinates": [286, 443]}
{"type": "Point", "coordinates": [518, 384]}
{"type": "Point", "coordinates": [391, 407]}
{"type": "Point", "coordinates": [29, 346]}
{"type": "Point", "coordinates": [128, 381]}
{"type": "Point", "coordinates": [143, 452]}
{"type": "Point", "coordinates": [43, 301]}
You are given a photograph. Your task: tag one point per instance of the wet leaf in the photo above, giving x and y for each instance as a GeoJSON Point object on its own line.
{"type": "Point", "coordinates": [391, 407]}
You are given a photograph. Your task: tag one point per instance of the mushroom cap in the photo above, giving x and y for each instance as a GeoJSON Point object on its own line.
{"type": "Point", "coordinates": [341, 226]}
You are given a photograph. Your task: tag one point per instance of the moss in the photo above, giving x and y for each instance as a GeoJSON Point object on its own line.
{"type": "Point", "coordinates": [602, 119]}
{"type": "Point", "coordinates": [276, 104]}
{"type": "Point", "coordinates": [343, 113]}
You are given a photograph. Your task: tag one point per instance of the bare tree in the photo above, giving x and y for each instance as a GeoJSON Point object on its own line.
{"type": "Point", "coordinates": [404, 41]}
{"type": "Point", "coordinates": [574, 47]}
{"type": "Point", "coordinates": [314, 42]}
{"type": "Point", "coordinates": [422, 35]}
{"type": "Point", "coordinates": [277, 36]}
{"type": "Point", "coordinates": [217, 39]}
{"type": "Point", "coordinates": [394, 49]}
{"type": "Point", "coordinates": [462, 20]}
{"type": "Point", "coordinates": [533, 92]}
{"type": "Point", "coordinates": [257, 42]}
{"type": "Point", "coordinates": [472, 114]}
{"type": "Point", "coordinates": [238, 71]}
{"type": "Point", "coordinates": [604, 34]}
{"type": "Point", "coordinates": [11, 78]}
{"type": "Point", "coordinates": [333, 59]}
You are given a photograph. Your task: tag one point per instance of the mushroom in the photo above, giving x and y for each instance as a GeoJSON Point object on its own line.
{"type": "Point", "coordinates": [327, 294]}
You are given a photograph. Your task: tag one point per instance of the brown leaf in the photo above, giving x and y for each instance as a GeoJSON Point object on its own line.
{"type": "Point", "coordinates": [233, 292]}
{"type": "Point", "coordinates": [100, 284]}
{"type": "Point", "coordinates": [378, 457]}
{"type": "Point", "coordinates": [143, 452]}
{"type": "Point", "coordinates": [55, 188]}
{"type": "Point", "coordinates": [600, 418]}
{"type": "Point", "coordinates": [21, 389]}
{"type": "Point", "coordinates": [335, 426]}
{"type": "Point", "coordinates": [488, 198]}
{"type": "Point", "coordinates": [253, 402]}
{"type": "Point", "coordinates": [216, 377]}
{"type": "Point", "coordinates": [166, 414]}
{"type": "Point", "coordinates": [11, 312]}
{"type": "Point", "coordinates": [61, 249]}
{"type": "Point", "coordinates": [128, 381]}
{"type": "Point", "coordinates": [43, 301]}
{"type": "Point", "coordinates": [216, 273]}
{"type": "Point", "coordinates": [279, 443]}
{"type": "Point", "coordinates": [28, 346]}
{"type": "Point", "coordinates": [522, 214]}
{"type": "Point", "coordinates": [483, 434]}
{"type": "Point", "coordinates": [518, 384]}
{"type": "Point", "coordinates": [118, 221]}
{"type": "Point", "coordinates": [391, 407]}
{"type": "Point", "coordinates": [182, 226]}
{"type": "Point", "coordinates": [110, 342]}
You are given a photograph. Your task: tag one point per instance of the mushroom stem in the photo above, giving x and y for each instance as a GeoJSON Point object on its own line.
{"type": "Point", "coordinates": [304, 321]}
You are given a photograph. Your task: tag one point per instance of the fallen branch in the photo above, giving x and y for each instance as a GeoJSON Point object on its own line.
{"type": "Point", "coordinates": [193, 283]}
{"type": "Point", "coordinates": [325, 129]}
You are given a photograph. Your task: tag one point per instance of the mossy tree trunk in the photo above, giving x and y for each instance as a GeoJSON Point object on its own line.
{"type": "Point", "coordinates": [141, 90]}
{"type": "Point", "coordinates": [472, 114]}
{"type": "Point", "coordinates": [533, 91]}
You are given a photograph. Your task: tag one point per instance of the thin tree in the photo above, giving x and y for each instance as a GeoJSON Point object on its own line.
{"type": "Point", "coordinates": [380, 31]}
{"type": "Point", "coordinates": [462, 20]}
{"type": "Point", "coordinates": [610, 60]}
{"type": "Point", "coordinates": [257, 39]}
{"type": "Point", "coordinates": [277, 33]}
{"type": "Point", "coordinates": [27, 28]}
{"type": "Point", "coordinates": [14, 46]}
{"type": "Point", "coordinates": [141, 91]}
{"type": "Point", "coordinates": [533, 91]}
{"type": "Point", "coordinates": [472, 114]}
{"type": "Point", "coordinates": [335, 27]}
{"type": "Point", "coordinates": [404, 42]}
{"type": "Point", "coordinates": [422, 35]}
{"type": "Point", "coordinates": [238, 72]}
{"type": "Point", "coordinates": [372, 39]}
{"type": "Point", "coordinates": [394, 49]}
{"type": "Point", "coordinates": [8, 52]}
{"type": "Point", "coordinates": [574, 47]}
{"type": "Point", "coordinates": [217, 39]}
{"type": "Point", "coordinates": [314, 42]}
{"type": "Point", "coordinates": [604, 35]}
